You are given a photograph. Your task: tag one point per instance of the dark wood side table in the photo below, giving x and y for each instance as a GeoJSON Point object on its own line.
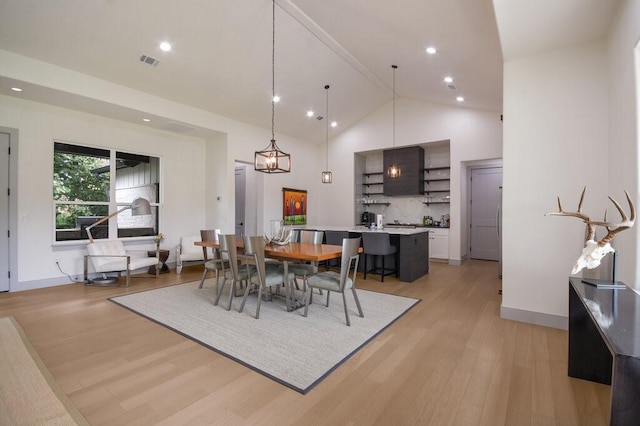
{"type": "Point", "coordinates": [604, 344]}
{"type": "Point", "coordinates": [164, 255]}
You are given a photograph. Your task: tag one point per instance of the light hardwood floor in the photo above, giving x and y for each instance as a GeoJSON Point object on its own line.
{"type": "Point", "coordinates": [450, 360]}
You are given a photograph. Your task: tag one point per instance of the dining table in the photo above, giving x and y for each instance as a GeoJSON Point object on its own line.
{"type": "Point", "coordinates": [290, 252]}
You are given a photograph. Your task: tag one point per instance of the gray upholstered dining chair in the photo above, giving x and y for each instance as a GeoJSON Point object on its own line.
{"type": "Point", "coordinates": [215, 264]}
{"type": "Point", "coordinates": [338, 282]}
{"type": "Point", "coordinates": [378, 244]}
{"type": "Point", "coordinates": [304, 270]}
{"type": "Point", "coordinates": [260, 275]}
{"type": "Point", "coordinates": [234, 270]}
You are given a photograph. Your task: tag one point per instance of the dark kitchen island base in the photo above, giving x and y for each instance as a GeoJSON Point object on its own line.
{"type": "Point", "coordinates": [413, 250]}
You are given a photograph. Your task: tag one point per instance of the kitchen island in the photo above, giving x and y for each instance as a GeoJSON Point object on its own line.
{"type": "Point", "coordinates": [412, 244]}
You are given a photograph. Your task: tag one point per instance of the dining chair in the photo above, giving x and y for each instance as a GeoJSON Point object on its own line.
{"type": "Point", "coordinates": [216, 263]}
{"type": "Point", "coordinates": [338, 282]}
{"type": "Point", "coordinates": [234, 270]}
{"type": "Point", "coordinates": [305, 270]}
{"type": "Point", "coordinates": [378, 244]}
{"type": "Point", "coordinates": [260, 275]}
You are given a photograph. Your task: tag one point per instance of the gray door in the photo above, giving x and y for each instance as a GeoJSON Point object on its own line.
{"type": "Point", "coordinates": [240, 185]}
{"type": "Point", "coordinates": [485, 200]}
{"type": "Point", "coordinates": [4, 212]}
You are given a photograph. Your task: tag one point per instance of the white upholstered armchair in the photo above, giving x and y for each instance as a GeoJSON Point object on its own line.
{"type": "Point", "coordinates": [188, 252]}
{"type": "Point", "coordinates": [110, 256]}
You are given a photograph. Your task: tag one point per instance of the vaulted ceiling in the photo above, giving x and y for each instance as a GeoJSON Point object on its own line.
{"type": "Point", "coordinates": [221, 51]}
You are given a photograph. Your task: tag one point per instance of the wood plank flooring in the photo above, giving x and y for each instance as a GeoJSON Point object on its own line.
{"type": "Point", "coordinates": [450, 361]}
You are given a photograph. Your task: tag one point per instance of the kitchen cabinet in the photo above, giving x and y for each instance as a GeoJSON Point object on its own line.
{"type": "Point", "coordinates": [413, 255]}
{"type": "Point", "coordinates": [439, 243]}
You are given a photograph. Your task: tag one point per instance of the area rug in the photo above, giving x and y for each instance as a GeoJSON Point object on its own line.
{"type": "Point", "coordinates": [29, 395]}
{"type": "Point", "coordinates": [295, 351]}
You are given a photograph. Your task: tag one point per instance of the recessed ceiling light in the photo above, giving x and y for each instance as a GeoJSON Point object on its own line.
{"type": "Point", "coordinates": [309, 113]}
{"type": "Point", "coordinates": [448, 79]}
{"type": "Point", "coordinates": [431, 50]}
{"type": "Point", "coordinates": [334, 124]}
{"type": "Point", "coordinates": [165, 46]}
{"type": "Point", "coordinates": [16, 89]}
{"type": "Point", "coordinates": [146, 120]}
{"type": "Point", "coordinates": [276, 98]}
{"type": "Point", "coordinates": [460, 99]}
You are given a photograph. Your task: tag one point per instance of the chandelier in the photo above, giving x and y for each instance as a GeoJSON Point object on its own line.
{"type": "Point", "coordinates": [394, 170]}
{"type": "Point", "coordinates": [272, 159]}
{"type": "Point", "coordinates": [326, 175]}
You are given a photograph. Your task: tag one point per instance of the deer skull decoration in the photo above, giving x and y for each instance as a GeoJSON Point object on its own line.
{"type": "Point", "coordinates": [593, 250]}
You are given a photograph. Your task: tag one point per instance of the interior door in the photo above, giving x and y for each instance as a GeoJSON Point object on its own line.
{"type": "Point", "coordinates": [240, 186]}
{"type": "Point", "coordinates": [4, 212]}
{"type": "Point", "coordinates": [485, 200]}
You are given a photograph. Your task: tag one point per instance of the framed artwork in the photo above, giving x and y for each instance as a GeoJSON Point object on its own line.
{"type": "Point", "coordinates": [294, 206]}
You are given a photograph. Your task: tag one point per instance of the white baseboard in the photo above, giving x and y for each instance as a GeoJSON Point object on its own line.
{"type": "Point", "coordinates": [537, 318]}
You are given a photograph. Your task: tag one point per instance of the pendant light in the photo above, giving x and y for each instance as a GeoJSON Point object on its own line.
{"type": "Point", "coordinates": [326, 175]}
{"type": "Point", "coordinates": [272, 159]}
{"type": "Point", "coordinates": [394, 170]}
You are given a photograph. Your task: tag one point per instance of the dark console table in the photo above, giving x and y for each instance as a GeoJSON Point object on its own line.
{"type": "Point", "coordinates": [604, 344]}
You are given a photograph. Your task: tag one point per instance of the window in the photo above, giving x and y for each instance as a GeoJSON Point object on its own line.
{"type": "Point", "coordinates": [91, 183]}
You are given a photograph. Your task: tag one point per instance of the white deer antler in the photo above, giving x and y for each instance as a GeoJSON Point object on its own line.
{"type": "Point", "coordinates": [594, 251]}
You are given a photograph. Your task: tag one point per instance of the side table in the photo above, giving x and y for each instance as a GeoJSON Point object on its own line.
{"type": "Point", "coordinates": [164, 255]}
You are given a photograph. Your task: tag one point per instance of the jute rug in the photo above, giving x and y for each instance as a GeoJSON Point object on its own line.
{"type": "Point", "coordinates": [29, 395]}
{"type": "Point", "coordinates": [285, 346]}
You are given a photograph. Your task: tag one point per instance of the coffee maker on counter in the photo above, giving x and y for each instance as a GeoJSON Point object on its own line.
{"type": "Point", "coordinates": [367, 218]}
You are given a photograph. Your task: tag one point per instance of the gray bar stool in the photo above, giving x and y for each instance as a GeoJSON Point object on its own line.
{"type": "Point", "coordinates": [334, 238]}
{"type": "Point", "coordinates": [378, 244]}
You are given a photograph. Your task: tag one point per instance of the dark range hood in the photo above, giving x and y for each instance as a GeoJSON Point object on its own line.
{"type": "Point", "coordinates": [410, 161]}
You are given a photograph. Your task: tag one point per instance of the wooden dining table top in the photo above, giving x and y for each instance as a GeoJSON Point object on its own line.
{"type": "Point", "coordinates": [291, 251]}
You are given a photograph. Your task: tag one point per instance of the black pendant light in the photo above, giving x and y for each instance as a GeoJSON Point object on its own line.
{"type": "Point", "coordinates": [394, 171]}
{"type": "Point", "coordinates": [326, 175]}
{"type": "Point", "coordinates": [272, 159]}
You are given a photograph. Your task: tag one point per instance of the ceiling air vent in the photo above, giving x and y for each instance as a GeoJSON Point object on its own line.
{"type": "Point", "coordinates": [451, 86]}
{"type": "Point", "coordinates": [149, 60]}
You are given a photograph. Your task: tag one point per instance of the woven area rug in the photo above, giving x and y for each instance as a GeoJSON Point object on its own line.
{"type": "Point", "coordinates": [29, 395]}
{"type": "Point", "coordinates": [284, 346]}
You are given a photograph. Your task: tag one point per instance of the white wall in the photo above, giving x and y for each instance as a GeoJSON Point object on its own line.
{"type": "Point", "coordinates": [182, 212]}
{"type": "Point", "coordinates": [196, 171]}
{"type": "Point", "coordinates": [555, 142]}
{"type": "Point", "coordinates": [624, 94]}
{"type": "Point", "coordinates": [473, 134]}
{"type": "Point", "coordinates": [571, 120]}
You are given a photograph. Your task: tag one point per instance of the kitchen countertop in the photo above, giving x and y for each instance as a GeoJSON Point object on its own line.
{"type": "Point", "coordinates": [412, 225]}
{"type": "Point", "coordinates": [390, 230]}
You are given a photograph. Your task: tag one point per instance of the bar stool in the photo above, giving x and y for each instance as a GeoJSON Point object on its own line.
{"type": "Point", "coordinates": [334, 238]}
{"type": "Point", "coordinates": [378, 244]}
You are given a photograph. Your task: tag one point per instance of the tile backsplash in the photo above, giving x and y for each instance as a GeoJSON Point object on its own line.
{"type": "Point", "coordinates": [405, 209]}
